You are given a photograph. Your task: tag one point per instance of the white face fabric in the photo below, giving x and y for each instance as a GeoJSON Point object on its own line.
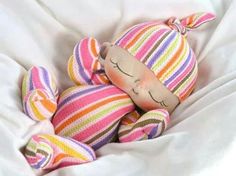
{"type": "Point", "coordinates": [134, 78]}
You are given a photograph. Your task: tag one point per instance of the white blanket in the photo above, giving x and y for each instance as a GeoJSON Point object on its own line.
{"type": "Point", "coordinates": [201, 139]}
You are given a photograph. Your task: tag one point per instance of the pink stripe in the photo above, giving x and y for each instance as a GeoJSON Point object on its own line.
{"type": "Point", "coordinates": [103, 123]}
{"type": "Point", "coordinates": [147, 129]}
{"type": "Point", "coordinates": [134, 135]}
{"type": "Point", "coordinates": [207, 17]}
{"type": "Point", "coordinates": [182, 75]}
{"type": "Point", "coordinates": [87, 58]}
{"type": "Point", "coordinates": [35, 78]}
{"type": "Point", "coordinates": [127, 34]}
{"type": "Point", "coordinates": [132, 33]}
{"type": "Point", "coordinates": [109, 133]}
{"type": "Point", "coordinates": [149, 43]}
{"type": "Point", "coordinates": [32, 160]}
{"type": "Point", "coordinates": [80, 102]}
{"type": "Point", "coordinates": [182, 94]}
{"type": "Point", "coordinates": [165, 114]}
{"type": "Point", "coordinates": [69, 163]}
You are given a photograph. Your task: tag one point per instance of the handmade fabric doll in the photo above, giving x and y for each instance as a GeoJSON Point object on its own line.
{"type": "Point", "coordinates": [126, 88]}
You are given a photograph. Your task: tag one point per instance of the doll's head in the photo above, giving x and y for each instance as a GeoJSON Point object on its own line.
{"type": "Point", "coordinates": [137, 80]}
{"type": "Point", "coordinates": [152, 62]}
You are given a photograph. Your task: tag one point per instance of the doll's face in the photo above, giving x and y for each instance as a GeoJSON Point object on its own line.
{"type": "Point", "coordinates": [133, 77]}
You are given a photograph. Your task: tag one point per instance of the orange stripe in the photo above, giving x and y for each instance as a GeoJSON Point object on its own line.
{"type": "Point", "coordinates": [51, 107]}
{"type": "Point", "coordinates": [95, 54]}
{"type": "Point", "coordinates": [95, 67]}
{"type": "Point", "coordinates": [172, 60]}
{"type": "Point", "coordinates": [99, 76]}
{"type": "Point", "coordinates": [138, 36]}
{"type": "Point", "coordinates": [42, 94]}
{"type": "Point", "coordinates": [104, 79]}
{"type": "Point", "coordinates": [93, 48]}
{"type": "Point", "coordinates": [187, 93]}
{"type": "Point", "coordinates": [127, 121]}
{"type": "Point", "coordinates": [131, 118]}
{"type": "Point", "coordinates": [191, 20]}
{"type": "Point", "coordinates": [86, 111]}
{"type": "Point", "coordinates": [70, 70]}
{"type": "Point", "coordinates": [60, 157]}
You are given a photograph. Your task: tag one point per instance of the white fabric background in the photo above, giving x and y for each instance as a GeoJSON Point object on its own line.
{"type": "Point", "coordinates": [201, 139]}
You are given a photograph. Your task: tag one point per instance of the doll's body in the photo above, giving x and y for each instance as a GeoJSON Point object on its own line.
{"type": "Point", "coordinates": [125, 90]}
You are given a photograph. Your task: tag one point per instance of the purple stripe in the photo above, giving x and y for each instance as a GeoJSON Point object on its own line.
{"type": "Point", "coordinates": [83, 146]}
{"type": "Point", "coordinates": [105, 140]}
{"type": "Point", "coordinates": [132, 28]}
{"type": "Point", "coordinates": [152, 39]}
{"type": "Point", "coordinates": [26, 109]}
{"type": "Point", "coordinates": [117, 42]}
{"type": "Point", "coordinates": [179, 70]}
{"type": "Point", "coordinates": [79, 93]}
{"type": "Point", "coordinates": [30, 82]}
{"type": "Point", "coordinates": [81, 70]}
{"type": "Point", "coordinates": [153, 132]}
{"type": "Point", "coordinates": [161, 50]}
{"type": "Point", "coordinates": [39, 164]}
{"type": "Point", "coordinates": [46, 79]}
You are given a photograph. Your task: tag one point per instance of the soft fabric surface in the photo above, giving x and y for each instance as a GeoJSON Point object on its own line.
{"type": "Point", "coordinates": [201, 139]}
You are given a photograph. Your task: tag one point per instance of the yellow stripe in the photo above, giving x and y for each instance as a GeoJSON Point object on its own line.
{"type": "Point", "coordinates": [170, 71]}
{"type": "Point", "coordinates": [93, 118]}
{"type": "Point", "coordinates": [71, 70]}
{"type": "Point", "coordinates": [153, 115]}
{"type": "Point", "coordinates": [177, 92]}
{"type": "Point", "coordinates": [36, 112]}
{"type": "Point", "coordinates": [24, 86]}
{"type": "Point", "coordinates": [45, 147]}
{"type": "Point", "coordinates": [32, 145]}
{"type": "Point", "coordinates": [67, 149]}
{"type": "Point", "coordinates": [66, 93]}
{"type": "Point", "coordinates": [143, 38]}
{"type": "Point", "coordinates": [169, 50]}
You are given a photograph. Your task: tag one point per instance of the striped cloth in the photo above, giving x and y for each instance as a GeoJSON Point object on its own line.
{"type": "Point", "coordinates": [163, 48]}
{"type": "Point", "coordinates": [91, 113]}
{"type": "Point", "coordinates": [50, 152]}
{"type": "Point", "coordinates": [150, 125]}
{"type": "Point", "coordinates": [84, 66]}
{"type": "Point", "coordinates": [166, 52]}
{"type": "Point", "coordinates": [39, 94]}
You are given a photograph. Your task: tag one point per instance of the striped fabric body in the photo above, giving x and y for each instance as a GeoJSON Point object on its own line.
{"type": "Point", "coordinates": [50, 152]}
{"type": "Point", "coordinates": [83, 65]}
{"type": "Point", "coordinates": [91, 114]}
{"type": "Point", "coordinates": [166, 52]}
{"type": "Point", "coordinates": [39, 94]}
{"type": "Point", "coordinates": [148, 126]}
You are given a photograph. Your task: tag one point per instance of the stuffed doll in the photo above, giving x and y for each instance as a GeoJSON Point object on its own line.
{"type": "Point", "coordinates": [125, 91]}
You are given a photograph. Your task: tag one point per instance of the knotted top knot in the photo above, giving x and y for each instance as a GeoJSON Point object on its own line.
{"type": "Point", "coordinates": [190, 22]}
{"type": "Point", "coordinates": [176, 24]}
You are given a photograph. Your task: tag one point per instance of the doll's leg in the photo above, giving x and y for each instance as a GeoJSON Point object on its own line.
{"type": "Point", "coordinates": [51, 152]}
{"type": "Point", "coordinates": [39, 94]}
{"type": "Point", "coordinates": [150, 125]}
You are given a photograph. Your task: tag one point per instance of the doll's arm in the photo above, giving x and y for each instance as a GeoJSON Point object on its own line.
{"type": "Point", "coordinates": [39, 94]}
{"type": "Point", "coordinates": [84, 67]}
{"type": "Point", "coordinates": [134, 127]}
